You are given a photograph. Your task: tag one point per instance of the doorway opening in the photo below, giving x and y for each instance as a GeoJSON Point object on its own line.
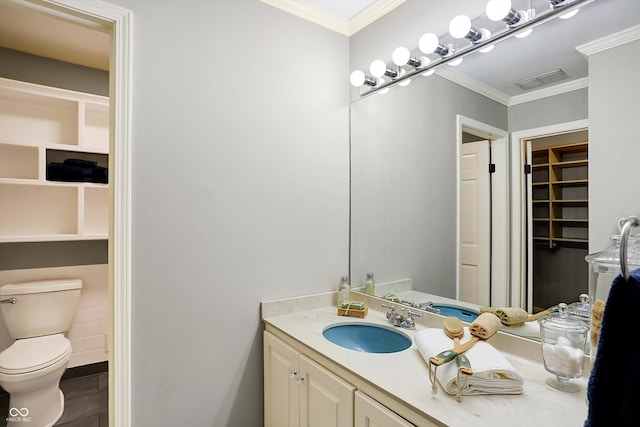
{"type": "Point", "coordinates": [118, 22]}
{"type": "Point", "coordinates": [551, 215]}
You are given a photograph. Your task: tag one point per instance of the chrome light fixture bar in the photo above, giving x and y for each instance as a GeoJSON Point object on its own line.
{"type": "Point", "coordinates": [501, 10]}
{"type": "Point", "coordinates": [448, 55]}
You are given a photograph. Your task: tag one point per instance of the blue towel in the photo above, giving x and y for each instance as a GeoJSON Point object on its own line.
{"type": "Point", "coordinates": [614, 384]}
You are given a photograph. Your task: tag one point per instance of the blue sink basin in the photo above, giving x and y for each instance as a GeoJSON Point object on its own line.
{"type": "Point", "coordinates": [462, 313]}
{"type": "Point", "coordinates": [367, 338]}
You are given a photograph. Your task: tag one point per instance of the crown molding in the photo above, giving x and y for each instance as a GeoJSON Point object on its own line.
{"type": "Point", "coordinates": [463, 80]}
{"type": "Point", "coordinates": [503, 98]}
{"type": "Point", "coordinates": [546, 92]}
{"type": "Point", "coordinates": [326, 20]}
{"type": "Point", "coordinates": [372, 14]}
{"type": "Point", "coordinates": [610, 41]}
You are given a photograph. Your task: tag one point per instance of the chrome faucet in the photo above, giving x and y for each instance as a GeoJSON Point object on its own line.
{"type": "Point", "coordinates": [428, 306]}
{"type": "Point", "coordinates": [393, 318]}
{"type": "Point", "coordinates": [396, 319]}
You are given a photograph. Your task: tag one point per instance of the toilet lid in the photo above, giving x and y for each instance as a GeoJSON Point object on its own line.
{"type": "Point", "coordinates": [32, 354]}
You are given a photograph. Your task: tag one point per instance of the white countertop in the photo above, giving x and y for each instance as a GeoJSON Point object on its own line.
{"type": "Point", "coordinates": [405, 375]}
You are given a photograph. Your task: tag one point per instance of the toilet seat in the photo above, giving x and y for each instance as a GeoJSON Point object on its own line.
{"type": "Point", "coordinates": [32, 354]}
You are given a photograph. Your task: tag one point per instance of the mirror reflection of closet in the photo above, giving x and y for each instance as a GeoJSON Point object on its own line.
{"type": "Point", "coordinates": [558, 218]}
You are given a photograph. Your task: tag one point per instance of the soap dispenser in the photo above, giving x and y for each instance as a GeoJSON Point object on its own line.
{"type": "Point", "coordinates": [343, 290]}
{"type": "Point", "coordinates": [370, 285]}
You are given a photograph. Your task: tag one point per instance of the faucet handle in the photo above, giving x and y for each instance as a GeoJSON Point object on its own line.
{"type": "Point", "coordinates": [411, 314]}
{"type": "Point", "coordinates": [408, 322]}
{"type": "Point", "coordinates": [392, 317]}
{"type": "Point", "coordinates": [392, 309]}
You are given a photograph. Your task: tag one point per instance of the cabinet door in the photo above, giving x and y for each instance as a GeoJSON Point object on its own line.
{"type": "Point", "coordinates": [370, 413]}
{"type": "Point", "coordinates": [325, 399]}
{"type": "Point", "coordinates": [280, 385]}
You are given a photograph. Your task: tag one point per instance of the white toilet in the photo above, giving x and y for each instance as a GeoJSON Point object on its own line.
{"type": "Point", "coordinates": [37, 314]}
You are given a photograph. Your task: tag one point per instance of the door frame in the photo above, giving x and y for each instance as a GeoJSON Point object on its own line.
{"type": "Point", "coordinates": [117, 21]}
{"type": "Point", "coordinates": [520, 247]}
{"type": "Point", "coordinates": [499, 145]}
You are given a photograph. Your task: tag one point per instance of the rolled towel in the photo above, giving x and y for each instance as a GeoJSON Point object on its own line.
{"type": "Point", "coordinates": [492, 372]}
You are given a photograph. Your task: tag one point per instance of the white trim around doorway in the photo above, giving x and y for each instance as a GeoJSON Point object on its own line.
{"type": "Point", "coordinates": [499, 140]}
{"type": "Point", "coordinates": [117, 21]}
{"type": "Point", "coordinates": [519, 218]}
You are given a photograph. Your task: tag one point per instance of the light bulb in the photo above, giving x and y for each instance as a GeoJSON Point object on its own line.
{"type": "Point", "coordinates": [429, 72]}
{"type": "Point", "coordinates": [525, 33]}
{"type": "Point", "coordinates": [497, 10]}
{"type": "Point", "coordinates": [459, 26]}
{"type": "Point", "coordinates": [428, 43]}
{"type": "Point", "coordinates": [357, 78]}
{"type": "Point", "coordinates": [383, 91]}
{"type": "Point", "coordinates": [456, 61]}
{"type": "Point", "coordinates": [378, 68]}
{"type": "Point", "coordinates": [405, 82]}
{"type": "Point", "coordinates": [401, 56]}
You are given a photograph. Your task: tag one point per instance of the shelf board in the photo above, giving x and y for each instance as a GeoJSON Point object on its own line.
{"type": "Point", "coordinates": [571, 164]}
{"type": "Point", "coordinates": [573, 182]}
{"type": "Point", "coordinates": [44, 182]}
{"type": "Point", "coordinates": [572, 240]}
{"type": "Point", "coordinates": [571, 220]}
{"type": "Point", "coordinates": [52, 238]}
{"type": "Point", "coordinates": [549, 240]}
{"type": "Point", "coordinates": [572, 202]}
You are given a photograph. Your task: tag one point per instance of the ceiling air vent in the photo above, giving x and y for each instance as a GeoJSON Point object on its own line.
{"type": "Point", "coordinates": [541, 80]}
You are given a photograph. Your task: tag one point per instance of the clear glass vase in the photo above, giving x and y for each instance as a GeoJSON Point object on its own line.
{"type": "Point", "coordinates": [605, 266]}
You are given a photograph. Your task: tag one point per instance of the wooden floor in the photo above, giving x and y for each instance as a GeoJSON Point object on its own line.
{"type": "Point", "coordinates": [86, 397]}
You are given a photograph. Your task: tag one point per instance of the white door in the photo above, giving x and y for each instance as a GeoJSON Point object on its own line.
{"type": "Point", "coordinates": [475, 223]}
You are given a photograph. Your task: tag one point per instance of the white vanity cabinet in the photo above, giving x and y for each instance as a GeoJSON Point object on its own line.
{"type": "Point", "coordinates": [369, 413]}
{"type": "Point", "coordinates": [300, 392]}
{"type": "Point", "coordinates": [40, 125]}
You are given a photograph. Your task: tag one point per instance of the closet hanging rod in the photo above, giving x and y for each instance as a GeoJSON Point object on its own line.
{"type": "Point", "coordinates": [630, 222]}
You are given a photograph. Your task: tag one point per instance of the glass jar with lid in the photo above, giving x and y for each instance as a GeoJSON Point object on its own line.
{"type": "Point", "coordinates": [564, 338]}
{"type": "Point", "coordinates": [604, 267]}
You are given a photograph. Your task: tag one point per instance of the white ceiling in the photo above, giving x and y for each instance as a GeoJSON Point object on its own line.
{"type": "Point", "coordinates": [31, 31]}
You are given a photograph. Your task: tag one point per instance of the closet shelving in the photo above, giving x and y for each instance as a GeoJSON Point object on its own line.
{"type": "Point", "coordinates": [560, 200]}
{"type": "Point", "coordinates": [38, 125]}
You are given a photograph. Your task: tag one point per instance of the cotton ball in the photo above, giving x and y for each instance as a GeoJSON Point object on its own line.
{"type": "Point", "coordinates": [563, 358]}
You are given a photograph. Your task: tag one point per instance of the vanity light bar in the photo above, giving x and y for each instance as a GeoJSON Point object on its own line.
{"type": "Point", "coordinates": [428, 68]}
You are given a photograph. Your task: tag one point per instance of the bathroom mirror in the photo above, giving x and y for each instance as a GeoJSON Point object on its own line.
{"type": "Point", "coordinates": [405, 155]}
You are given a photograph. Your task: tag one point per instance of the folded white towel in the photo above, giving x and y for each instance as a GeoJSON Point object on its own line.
{"type": "Point", "coordinates": [492, 372]}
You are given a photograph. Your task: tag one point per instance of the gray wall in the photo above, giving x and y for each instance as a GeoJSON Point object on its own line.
{"type": "Point", "coordinates": [403, 154]}
{"type": "Point", "coordinates": [36, 69]}
{"type": "Point", "coordinates": [240, 174]}
{"type": "Point", "coordinates": [563, 108]}
{"type": "Point", "coordinates": [613, 140]}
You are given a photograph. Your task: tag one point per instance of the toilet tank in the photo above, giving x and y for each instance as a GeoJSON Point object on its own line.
{"type": "Point", "coordinates": [44, 307]}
